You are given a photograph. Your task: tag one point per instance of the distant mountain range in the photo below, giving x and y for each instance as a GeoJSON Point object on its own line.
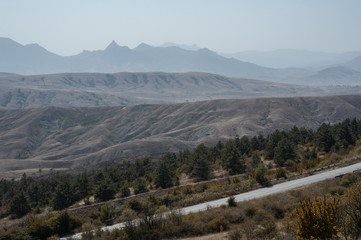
{"type": "Point", "coordinates": [60, 138]}
{"type": "Point", "coordinates": [290, 58]}
{"type": "Point", "coordinates": [33, 59]}
{"type": "Point", "coordinates": [100, 89]}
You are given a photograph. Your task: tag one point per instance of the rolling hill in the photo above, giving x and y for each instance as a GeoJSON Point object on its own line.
{"type": "Point", "coordinates": [96, 89]}
{"type": "Point", "coordinates": [54, 137]}
{"type": "Point", "coordinates": [339, 75]}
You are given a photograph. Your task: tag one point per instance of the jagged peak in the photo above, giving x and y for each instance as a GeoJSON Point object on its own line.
{"type": "Point", "coordinates": [112, 45]}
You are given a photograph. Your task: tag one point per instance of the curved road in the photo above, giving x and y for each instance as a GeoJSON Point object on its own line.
{"type": "Point", "coordinates": [258, 193]}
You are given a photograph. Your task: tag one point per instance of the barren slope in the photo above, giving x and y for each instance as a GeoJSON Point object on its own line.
{"type": "Point", "coordinates": [96, 89]}
{"type": "Point", "coordinates": [64, 137]}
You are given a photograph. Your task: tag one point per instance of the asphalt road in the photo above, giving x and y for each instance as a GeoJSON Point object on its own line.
{"type": "Point", "coordinates": [258, 193]}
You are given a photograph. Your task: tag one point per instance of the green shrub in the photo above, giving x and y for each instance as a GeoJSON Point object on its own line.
{"type": "Point", "coordinates": [124, 191]}
{"type": "Point", "coordinates": [140, 186]}
{"type": "Point", "coordinates": [106, 214]}
{"type": "Point", "coordinates": [232, 202]}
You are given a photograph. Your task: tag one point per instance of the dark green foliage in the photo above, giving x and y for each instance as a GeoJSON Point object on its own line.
{"type": "Point", "coordinates": [105, 191]}
{"type": "Point", "coordinates": [243, 145]}
{"type": "Point", "coordinates": [135, 205]}
{"type": "Point", "coordinates": [283, 151]}
{"type": "Point", "coordinates": [81, 185]}
{"type": "Point", "coordinates": [61, 224]}
{"type": "Point", "coordinates": [258, 143]}
{"type": "Point", "coordinates": [165, 173]}
{"type": "Point", "coordinates": [260, 174]}
{"type": "Point", "coordinates": [200, 166]}
{"type": "Point", "coordinates": [65, 222]}
{"type": "Point", "coordinates": [19, 205]}
{"type": "Point", "coordinates": [231, 158]}
{"type": "Point", "coordinates": [309, 154]}
{"type": "Point", "coordinates": [124, 191]}
{"type": "Point", "coordinates": [62, 190]}
{"type": "Point", "coordinates": [324, 139]}
{"type": "Point", "coordinates": [272, 142]}
{"type": "Point", "coordinates": [232, 202]}
{"type": "Point", "coordinates": [256, 160]}
{"type": "Point", "coordinates": [184, 156]}
{"type": "Point", "coordinates": [140, 186]}
{"type": "Point", "coordinates": [63, 196]}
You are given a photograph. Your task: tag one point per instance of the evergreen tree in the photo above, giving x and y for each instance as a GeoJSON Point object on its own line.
{"type": "Point", "coordinates": [256, 160]}
{"type": "Point", "coordinates": [324, 138]}
{"type": "Point", "coordinates": [165, 171]}
{"type": "Point", "coordinates": [231, 158]}
{"type": "Point", "coordinates": [19, 205]}
{"type": "Point", "coordinates": [62, 196]}
{"type": "Point", "coordinates": [200, 166]}
{"type": "Point", "coordinates": [105, 191]}
{"type": "Point", "coordinates": [243, 145]}
{"type": "Point", "coordinates": [184, 156]}
{"type": "Point", "coordinates": [284, 151]}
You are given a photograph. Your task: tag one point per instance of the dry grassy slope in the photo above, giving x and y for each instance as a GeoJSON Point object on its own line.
{"type": "Point", "coordinates": [61, 137]}
{"type": "Point", "coordinates": [96, 89]}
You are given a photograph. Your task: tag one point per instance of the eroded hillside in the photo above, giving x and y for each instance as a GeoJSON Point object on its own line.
{"type": "Point", "coordinates": [124, 89]}
{"type": "Point", "coordinates": [55, 137]}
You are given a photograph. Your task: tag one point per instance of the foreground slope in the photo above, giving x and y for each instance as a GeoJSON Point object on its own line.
{"type": "Point", "coordinates": [65, 137]}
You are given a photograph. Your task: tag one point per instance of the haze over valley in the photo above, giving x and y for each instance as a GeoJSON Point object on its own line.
{"type": "Point", "coordinates": [180, 119]}
{"type": "Point", "coordinates": [85, 116]}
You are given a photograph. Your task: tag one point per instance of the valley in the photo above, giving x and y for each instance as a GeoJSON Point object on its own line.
{"type": "Point", "coordinates": [123, 89]}
{"type": "Point", "coordinates": [55, 137]}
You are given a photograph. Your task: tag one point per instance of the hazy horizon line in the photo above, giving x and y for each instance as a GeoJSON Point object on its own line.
{"type": "Point", "coordinates": [134, 46]}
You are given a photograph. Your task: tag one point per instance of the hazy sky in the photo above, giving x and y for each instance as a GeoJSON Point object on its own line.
{"type": "Point", "coordinates": [67, 27]}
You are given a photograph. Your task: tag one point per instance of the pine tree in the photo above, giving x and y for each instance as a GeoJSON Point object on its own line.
{"type": "Point", "coordinates": [19, 205]}
{"type": "Point", "coordinates": [105, 191]}
{"type": "Point", "coordinates": [201, 165]}
{"type": "Point", "coordinates": [62, 196]}
{"type": "Point", "coordinates": [165, 171]}
{"type": "Point", "coordinates": [231, 158]}
{"type": "Point", "coordinates": [324, 138]}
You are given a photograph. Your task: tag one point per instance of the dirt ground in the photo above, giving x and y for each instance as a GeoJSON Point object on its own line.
{"type": "Point", "coordinates": [216, 236]}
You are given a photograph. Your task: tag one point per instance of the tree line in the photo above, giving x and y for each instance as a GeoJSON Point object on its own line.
{"type": "Point", "coordinates": [284, 148]}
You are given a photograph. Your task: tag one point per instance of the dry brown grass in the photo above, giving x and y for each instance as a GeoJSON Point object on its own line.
{"type": "Point", "coordinates": [66, 137]}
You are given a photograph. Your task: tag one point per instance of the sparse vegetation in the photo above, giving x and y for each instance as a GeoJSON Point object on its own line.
{"type": "Point", "coordinates": [295, 150]}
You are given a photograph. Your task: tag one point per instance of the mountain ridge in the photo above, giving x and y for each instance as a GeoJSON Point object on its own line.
{"type": "Point", "coordinates": [97, 89]}
{"type": "Point", "coordinates": [55, 137]}
{"type": "Point", "coordinates": [33, 59]}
